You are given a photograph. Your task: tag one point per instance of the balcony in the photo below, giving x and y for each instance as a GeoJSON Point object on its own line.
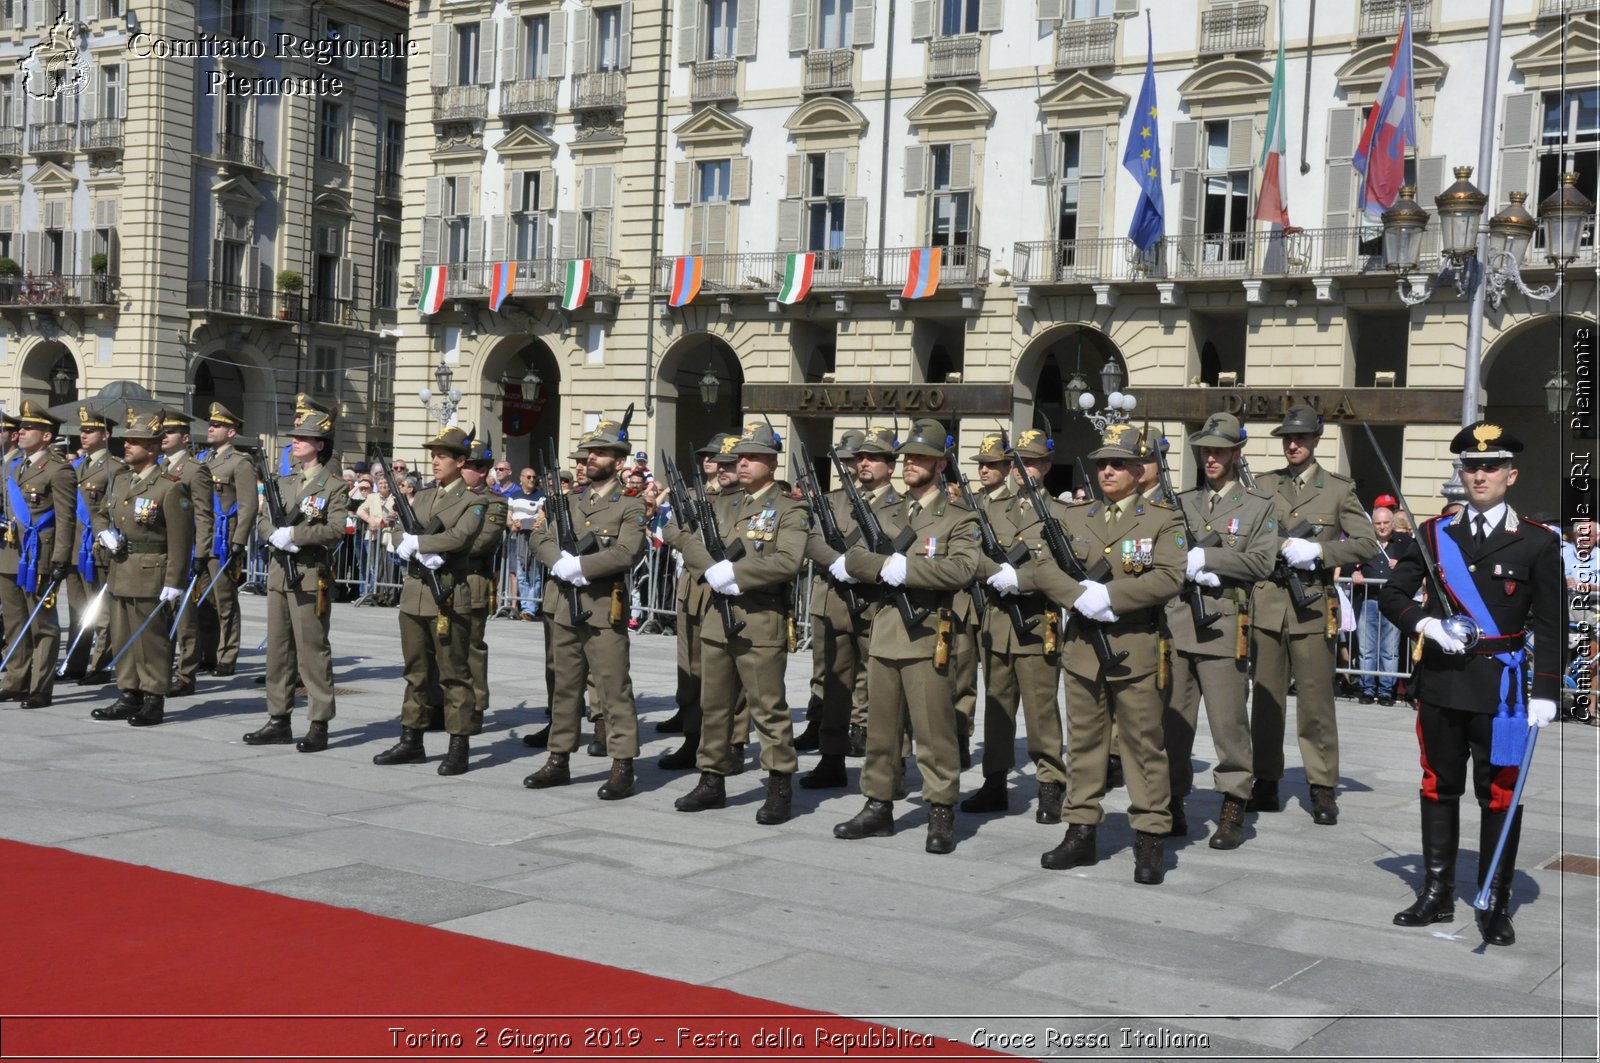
{"type": "Point", "coordinates": [963, 266]}
{"type": "Point", "coordinates": [100, 134]}
{"type": "Point", "coordinates": [529, 98]}
{"type": "Point", "coordinates": [1238, 27]}
{"type": "Point", "coordinates": [241, 151]}
{"type": "Point", "coordinates": [328, 311]}
{"type": "Point", "coordinates": [389, 184]}
{"type": "Point", "coordinates": [1560, 8]}
{"type": "Point", "coordinates": [1081, 45]}
{"type": "Point", "coordinates": [954, 58]}
{"type": "Point", "coordinates": [599, 91]}
{"type": "Point", "coordinates": [713, 80]}
{"type": "Point", "coordinates": [236, 301]}
{"type": "Point", "coordinates": [542, 277]}
{"type": "Point", "coordinates": [52, 291]}
{"type": "Point", "coordinates": [460, 103]}
{"type": "Point", "coordinates": [1382, 18]}
{"type": "Point", "coordinates": [10, 142]}
{"type": "Point", "coordinates": [831, 70]}
{"type": "Point", "coordinates": [50, 138]}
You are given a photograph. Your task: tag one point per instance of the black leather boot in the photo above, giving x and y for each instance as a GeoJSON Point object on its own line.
{"type": "Point", "coordinates": [1050, 797]}
{"type": "Point", "coordinates": [406, 751]}
{"type": "Point", "coordinates": [275, 732]}
{"type": "Point", "coordinates": [1149, 856]}
{"type": "Point", "coordinates": [672, 725]}
{"type": "Point", "coordinates": [540, 739]}
{"type": "Point", "coordinates": [1495, 923]}
{"type": "Point", "coordinates": [1324, 806]}
{"type": "Point", "coordinates": [810, 739]}
{"type": "Point", "coordinates": [858, 740]}
{"type": "Point", "coordinates": [709, 792]}
{"type": "Point", "coordinates": [128, 702]}
{"type": "Point", "coordinates": [1114, 775]}
{"type": "Point", "coordinates": [828, 774]}
{"type": "Point", "coordinates": [151, 713]}
{"type": "Point", "coordinates": [941, 830]}
{"type": "Point", "coordinates": [990, 797]}
{"type": "Point", "coordinates": [1441, 832]}
{"type": "Point", "coordinates": [1180, 821]}
{"type": "Point", "coordinates": [597, 748]}
{"type": "Point", "coordinates": [737, 752]}
{"type": "Point", "coordinates": [1077, 849]}
{"type": "Point", "coordinates": [775, 809]}
{"type": "Point", "coordinates": [1264, 797]}
{"type": "Point", "coordinates": [875, 820]}
{"type": "Point", "coordinates": [554, 772]}
{"type": "Point", "coordinates": [620, 783]}
{"type": "Point", "coordinates": [964, 742]}
{"type": "Point", "coordinates": [1230, 825]}
{"type": "Point", "coordinates": [455, 758]}
{"type": "Point", "coordinates": [682, 758]}
{"type": "Point", "coordinates": [316, 739]}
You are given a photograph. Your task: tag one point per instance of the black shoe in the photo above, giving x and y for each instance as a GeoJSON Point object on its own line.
{"type": "Point", "coordinates": [1264, 797]}
{"type": "Point", "coordinates": [990, 797]}
{"type": "Point", "coordinates": [1435, 904]}
{"type": "Point", "coordinates": [540, 739]}
{"type": "Point", "coordinates": [597, 748]}
{"type": "Point", "coordinates": [11, 695]}
{"type": "Point", "coordinates": [316, 739]}
{"type": "Point", "coordinates": [775, 809]}
{"type": "Point", "coordinates": [828, 774]}
{"type": "Point", "coordinates": [36, 701]}
{"type": "Point", "coordinates": [97, 678]}
{"type": "Point", "coordinates": [1149, 854]}
{"type": "Point", "coordinates": [738, 759]}
{"type": "Point", "coordinates": [875, 820]}
{"type": "Point", "coordinates": [672, 725]}
{"type": "Point", "coordinates": [406, 751]}
{"type": "Point", "coordinates": [224, 670]}
{"type": "Point", "coordinates": [554, 772]}
{"type": "Point", "coordinates": [941, 830]}
{"type": "Point", "coordinates": [181, 690]}
{"type": "Point", "coordinates": [1180, 821]}
{"type": "Point", "coordinates": [1386, 701]}
{"type": "Point", "coordinates": [150, 714]}
{"type": "Point", "coordinates": [858, 741]}
{"type": "Point", "coordinates": [1114, 776]}
{"type": "Point", "coordinates": [1050, 797]}
{"type": "Point", "coordinates": [1494, 923]}
{"type": "Point", "coordinates": [1230, 825]}
{"type": "Point", "coordinates": [709, 792]}
{"type": "Point", "coordinates": [620, 784]}
{"type": "Point", "coordinates": [1077, 849]}
{"type": "Point", "coordinates": [810, 739]}
{"type": "Point", "coordinates": [455, 758]}
{"type": "Point", "coordinates": [275, 732]}
{"type": "Point", "coordinates": [1441, 836]}
{"type": "Point", "coordinates": [1365, 699]}
{"type": "Point", "coordinates": [682, 758]}
{"type": "Point", "coordinates": [1324, 806]}
{"type": "Point", "coordinates": [127, 703]}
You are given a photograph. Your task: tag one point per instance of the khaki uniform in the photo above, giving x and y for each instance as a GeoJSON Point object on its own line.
{"type": "Point", "coordinates": [964, 654]}
{"type": "Point", "coordinates": [233, 507]}
{"type": "Point", "coordinates": [42, 507]}
{"type": "Point", "coordinates": [457, 513]}
{"type": "Point", "coordinates": [693, 604]}
{"type": "Point", "coordinates": [94, 472]}
{"type": "Point", "coordinates": [1286, 639]}
{"type": "Point", "coordinates": [903, 676]}
{"type": "Point", "coordinates": [1020, 668]}
{"type": "Point", "coordinates": [1214, 662]}
{"type": "Point", "coordinates": [594, 652]}
{"type": "Point", "coordinates": [298, 617]}
{"type": "Point", "coordinates": [151, 511]}
{"type": "Point", "coordinates": [1147, 538]}
{"type": "Point", "coordinates": [196, 477]}
{"type": "Point", "coordinates": [773, 528]}
{"type": "Point", "coordinates": [482, 581]}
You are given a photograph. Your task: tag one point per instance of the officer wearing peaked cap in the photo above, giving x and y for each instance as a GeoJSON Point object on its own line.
{"type": "Point", "coordinates": [233, 507]}
{"type": "Point", "coordinates": [196, 477]}
{"type": "Point", "coordinates": [95, 469]}
{"type": "Point", "coordinates": [39, 551]}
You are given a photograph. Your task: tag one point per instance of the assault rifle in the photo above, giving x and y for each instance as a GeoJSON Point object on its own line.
{"type": "Point", "coordinates": [558, 510]}
{"type": "Point", "coordinates": [410, 524]}
{"type": "Point", "coordinates": [877, 540]}
{"type": "Point", "coordinates": [280, 517]}
{"type": "Point", "coordinates": [992, 549]}
{"type": "Point", "coordinates": [704, 521]}
{"type": "Point", "coordinates": [805, 477]}
{"type": "Point", "coordinates": [1191, 590]}
{"type": "Point", "coordinates": [1282, 572]}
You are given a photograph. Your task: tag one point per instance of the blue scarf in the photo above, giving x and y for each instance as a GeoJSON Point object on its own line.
{"type": "Point", "coordinates": [86, 567]}
{"type": "Point", "coordinates": [28, 565]}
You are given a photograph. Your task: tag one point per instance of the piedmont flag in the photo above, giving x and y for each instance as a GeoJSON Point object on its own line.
{"type": "Point", "coordinates": [1392, 124]}
{"type": "Point", "coordinates": [501, 279]}
{"type": "Point", "coordinates": [576, 288]}
{"type": "Point", "coordinates": [1142, 157]}
{"type": "Point", "coordinates": [431, 301]}
{"type": "Point", "coordinates": [686, 276]}
{"type": "Point", "coordinates": [797, 273]}
{"type": "Point", "coordinates": [923, 278]}
{"type": "Point", "coordinates": [1272, 205]}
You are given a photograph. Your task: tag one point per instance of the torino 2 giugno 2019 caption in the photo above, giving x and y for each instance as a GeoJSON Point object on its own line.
{"type": "Point", "coordinates": [285, 47]}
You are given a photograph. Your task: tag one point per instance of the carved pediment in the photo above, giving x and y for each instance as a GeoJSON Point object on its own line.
{"type": "Point", "coordinates": [1226, 79]}
{"type": "Point", "coordinates": [1365, 71]}
{"type": "Point", "coordinates": [238, 193]}
{"type": "Point", "coordinates": [950, 107]}
{"type": "Point", "coordinates": [1084, 96]}
{"type": "Point", "coordinates": [333, 203]}
{"type": "Point", "coordinates": [526, 143]}
{"type": "Point", "coordinates": [1575, 44]}
{"type": "Point", "coordinates": [826, 116]}
{"type": "Point", "coordinates": [712, 126]}
{"type": "Point", "coordinates": [50, 177]}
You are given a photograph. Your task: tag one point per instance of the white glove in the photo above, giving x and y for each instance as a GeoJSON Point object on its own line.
{"type": "Point", "coordinates": [1433, 630]}
{"type": "Point", "coordinates": [1095, 601]}
{"type": "Point", "coordinates": [1004, 581]}
{"type": "Point", "coordinates": [111, 539]}
{"type": "Point", "coordinates": [1540, 711]}
{"type": "Point", "coordinates": [720, 576]}
{"type": "Point", "coordinates": [567, 567]}
{"type": "Point", "coordinates": [1207, 579]}
{"type": "Point", "coordinates": [433, 562]}
{"type": "Point", "coordinates": [1196, 562]}
{"type": "Point", "coordinates": [894, 570]}
{"type": "Point", "coordinates": [170, 594]}
{"type": "Point", "coordinates": [408, 547]}
{"type": "Point", "coordinates": [1301, 554]}
{"type": "Point", "coordinates": [839, 572]}
{"type": "Point", "coordinates": [283, 539]}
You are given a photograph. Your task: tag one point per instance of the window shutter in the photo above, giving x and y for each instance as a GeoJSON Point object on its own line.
{"type": "Point", "coordinates": [1338, 197]}
{"type": "Point", "coordinates": [625, 44]}
{"type": "Point", "coordinates": [1430, 181]}
{"type": "Point", "coordinates": [599, 181]}
{"type": "Point", "coordinates": [8, 216]}
{"type": "Point", "coordinates": [1186, 145]}
{"type": "Point", "coordinates": [855, 223]}
{"type": "Point", "coordinates": [105, 215]}
{"type": "Point", "coordinates": [512, 63]}
{"type": "Point", "coordinates": [961, 175]}
{"type": "Point", "coordinates": [38, 14]}
{"type": "Point", "coordinates": [582, 20]}
{"type": "Point", "coordinates": [90, 108]}
{"type": "Point", "coordinates": [557, 64]}
{"type": "Point", "coordinates": [55, 214]}
{"type": "Point", "coordinates": [1344, 127]}
{"type": "Point", "coordinates": [1090, 193]}
{"type": "Point", "coordinates": [921, 19]}
{"type": "Point", "coordinates": [466, 196]}
{"type": "Point", "coordinates": [31, 257]}
{"type": "Point", "coordinates": [716, 228]}
{"type": "Point", "coordinates": [1045, 148]}
{"type": "Point", "coordinates": [431, 232]}
{"type": "Point", "coordinates": [252, 264]}
{"type": "Point", "coordinates": [600, 234]}
{"type": "Point", "coordinates": [261, 20]}
{"type": "Point", "coordinates": [1126, 7]}
{"type": "Point", "coordinates": [799, 25]}
{"type": "Point", "coordinates": [916, 170]}
{"type": "Point", "coordinates": [1091, 152]}
{"type": "Point", "coordinates": [1517, 142]}
{"type": "Point", "coordinates": [567, 235]}
{"type": "Point", "coordinates": [475, 233]}
{"type": "Point", "coordinates": [439, 56]}
{"type": "Point", "coordinates": [1051, 10]}
{"type": "Point", "coordinates": [514, 191]}
{"type": "Point", "coordinates": [1189, 202]}
{"type": "Point", "coordinates": [486, 52]}
{"type": "Point", "coordinates": [739, 179]}
{"type": "Point", "coordinates": [864, 23]}
{"type": "Point", "coordinates": [744, 40]}
{"type": "Point", "coordinates": [497, 238]}
{"type": "Point", "coordinates": [835, 172]}
{"type": "Point", "coordinates": [689, 30]}
{"type": "Point", "coordinates": [794, 178]}
{"type": "Point", "coordinates": [351, 63]}
{"type": "Point", "coordinates": [547, 191]}
{"type": "Point", "coordinates": [122, 96]}
{"type": "Point", "coordinates": [69, 253]}
{"type": "Point", "coordinates": [347, 279]}
{"type": "Point", "coordinates": [682, 184]}
{"type": "Point", "coordinates": [1241, 143]}
{"type": "Point", "coordinates": [433, 198]}
{"type": "Point", "coordinates": [216, 264]}
{"type": "Point", "coordinates": [991, 14]}
{"type": "Point", "coordinates": [791, 215]}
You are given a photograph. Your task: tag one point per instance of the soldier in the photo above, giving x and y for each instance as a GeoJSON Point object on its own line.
{"type": "Point", "coordinates": [483, 575]}
{"type": "Point", "coordinates": [909, 667]}
{"type": "Point", "coordinates": [595, 646]}
{"type": "Point", "coordinates": [315, 500]}
{"type": "Point", "coordinates": [436, 633]}
{"type": "Point", "coordinates": [1019, 666]}
{"type": "Point", "coordinates": [1505, 572]}
{"type": "Point", "coordinates": [1315, 507]}
{"type": "Point", "coordinates": [95, 469]}
{"type": "Point", "coordinates": [147, 531]}
{"type": "Point", "coordinates": [828, 617]}
{"type": "Point", "coordinates": [196, 477]}
{"type": "Point", "coordinates": [875, 465]}
{"type": "Point", "coordinates": [1143, 545]}
{"type": "Point", "coordinates": [40, 548]}
{"type": "Point", "coordinates": [1214, 661]}
{"type": "Point", "coordinates": [772, 528]}
{"type": "Point", "coordinates": [8, 437]}
{"type": "Point", "coordinates": [964, 650]}
{"type": "Point", "coordinates": [233, 507]}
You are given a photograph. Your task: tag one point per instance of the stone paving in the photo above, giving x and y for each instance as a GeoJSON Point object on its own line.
{"type": "Point", "coordinates": [1281, 948]}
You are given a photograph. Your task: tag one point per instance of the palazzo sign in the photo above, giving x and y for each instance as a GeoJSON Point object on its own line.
{"type": "Point", "coordinates": [1337, 405]}
{"type": "Point", "coordinates": [833, 400]}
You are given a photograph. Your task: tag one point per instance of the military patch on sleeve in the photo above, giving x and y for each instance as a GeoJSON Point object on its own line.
{"type": "Point", "coordinates": [805, 521]}
{"type": "Point", "coordinates": [1180, 539]}
{"type": "Point", "coordinates": [183, 503]}
{"type": "Point", "coordinates": [496, 518]}
{"type": "Point", "coordinates": [477, 511]}
{"type": "Point", "coordinates": [643, 520]}
{"type": "Point", "coordinates": [1270, 525]}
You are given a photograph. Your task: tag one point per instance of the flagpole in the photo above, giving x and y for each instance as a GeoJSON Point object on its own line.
{"type": "Point", "coordinates": [1491, 97]}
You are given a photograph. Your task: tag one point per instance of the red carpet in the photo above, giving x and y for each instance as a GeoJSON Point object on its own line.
{"type": "Point", "coordinates": [100, 959]}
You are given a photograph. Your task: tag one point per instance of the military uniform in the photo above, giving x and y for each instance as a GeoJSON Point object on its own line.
{"type": "Point", "coordinates": [1143, 544]}
{"type": "Point", "coordinates": [909, 667]}
{"type": "Point", "coordinates": [1214, 661]}
{"type": "Point", "coordinates": [147, 528]}
{"type": "Point", "coordinates": [483, 578]}
{"type": "Point", "coordinates": [94, 474]}
{"type": "Point", "coordinates": [315, 499]}
{"type": "Point", "coordinates": [1470, 698]}
{"type": "Point", "coordinates": [687, 693]}
{"type": "Point", "coordinates": [593, 651]}
{"type": "Point", "coordinates": [233, 508]}
{"type": "Point", "coordinates": [40, 547]}
{"type": "Point", "coordinates": [1287, 638]}
{"type": "Point", "coordinates": [196, 477]}
{"type": "Point", "coordinates": [821, 587]}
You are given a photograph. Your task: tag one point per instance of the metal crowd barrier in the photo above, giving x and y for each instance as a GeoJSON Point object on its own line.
{"type": "Point", "coordinates": [1349, 658]}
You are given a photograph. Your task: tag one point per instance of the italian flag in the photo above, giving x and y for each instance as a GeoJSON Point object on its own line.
{"type": "Point", "coordinates": [576, 289]}
{"type": "Point", "coordinates": [797, 278]}
{"type": "Point", "coordinates": [1271, 205]}
{"type": "Point", "coordinates": [431, 301]}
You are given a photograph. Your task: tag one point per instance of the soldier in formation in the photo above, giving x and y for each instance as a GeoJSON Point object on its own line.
{"type": "Point", "coordinates": [39, 548]}
{"type": "Point", "coordinates": [233, 508]}
{"type": "Point", "coordinates": [95, 467]}
{"type": "Point", "coordinates": [176, 460]}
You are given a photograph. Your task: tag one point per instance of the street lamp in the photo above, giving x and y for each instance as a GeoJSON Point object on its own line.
{"type": "Point", "coordinates": [1460, 214]}
{"type": "Point", "coordinates": [444, 411]}
{"type": "Point", "coordinates": [709, 387]}
{"type": "Point", "coordinates": [530, 385]}
{"type": "Point", "coordinates": [1555, 396]}
{"type": "Point", "coordinates": [1562, 216]}
{"type": "Point", "coordinates": [61, 380]}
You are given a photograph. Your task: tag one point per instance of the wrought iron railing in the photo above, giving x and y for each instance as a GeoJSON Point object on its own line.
{"type": "Point", "coordinates": [1233, 27]}
{"type": "Point", "coordinates": [529, 97]}
{"type": "Point", "coordinates": [714, 79]}
{"type": "Point", "coordinates": [961, 266]}
{"type": "Point", "coordinates": [1382, 18]}
{"type": "Point", "coordinates": [389, 184]}
{"type": "Point", "coordinates": [954, 58]}
{"type": "Point", "coordinates": [10, 141]}
{"type": "Point", "coordinates": [830, 70]}
{"type": "Point", "coordinates": [245, 151]}
{"type": "Point", "coordinates": [605, 88]}
{"type": "Point", "coordinates": [333, 311]}
{"type": "Point", "coordinates": [50, 137]}
{"type": "Point", "coordinates": [456, 103]}
{"type": "Point", "coordinates": [244, 302]}
{"type": "Point", "coordinates": [100, 134]}
{"type": "Point", "coordinates": [77, 289]}
{"type": "Point", "coordinates": [535, 277]}
{"type": "Point", "coordinates": [1550, 8]}
{"type": "Point", "coordinates": [1086, 44]}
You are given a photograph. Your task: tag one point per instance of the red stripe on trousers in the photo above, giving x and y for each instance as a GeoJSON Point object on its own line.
{"type": "Point", "coordinates": [1501, 785]}
{"type": "Point", "coordinates": [1430, 781]}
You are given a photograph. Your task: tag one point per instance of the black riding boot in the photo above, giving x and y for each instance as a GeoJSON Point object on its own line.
{"type": "Point", "coordinates": [1441, 834]}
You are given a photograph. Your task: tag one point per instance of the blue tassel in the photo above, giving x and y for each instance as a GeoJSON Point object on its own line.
{"type": "Point", "coordinates": [1510, 740]}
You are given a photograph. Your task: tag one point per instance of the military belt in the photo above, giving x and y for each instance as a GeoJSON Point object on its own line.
{"type": "Point", "coordinates": [145, 548]}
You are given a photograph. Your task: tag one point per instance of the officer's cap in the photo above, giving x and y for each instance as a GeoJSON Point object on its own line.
{"type": "Point", "coordinates": [1035, 443]}
{"type": "Point", "coordinates": [1220, 430]}
{"type": "Point", "coordinates": [35, 415]}
{"type": "Point", "coordinates": [89, 421]}
{"type": "Point", "coordinates": [480, 453]}
{"type": "Point", "coordinates": [712, 447]}
{"type": "Point", "coordinates": [313, 424]}
{"type": "Point", "coordinates": [220, 414]}
{"type": "Point", "coordinates": [758, 437]}
{"type": "Point", "coordinates": [725, 454]}
{"type": "Point", "coordinates": [144, 425]}
{"type": "Point", "coordinates": [1119, 441]}
{"type": "Point", "coordinates": [1485, 443]}
{"type": "Point", "coordinates": [928, 438]}
{"type": "Point", "coordinates": [1300, 421]}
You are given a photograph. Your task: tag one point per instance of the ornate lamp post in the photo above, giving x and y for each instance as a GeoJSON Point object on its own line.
{"type": "Point", "coordinates": [444, 411]}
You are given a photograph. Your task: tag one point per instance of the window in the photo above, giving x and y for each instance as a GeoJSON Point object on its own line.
{"type": "Point", "coordinates": [467, 54]}
{"type": "Point", "coordinates": [5, 245]}
{"type": "Point", "coordinates": [458, 226]}
{"type": "Point", "coordinates": [1071, 170]}
{"type": "Point", "coordinates": [380, 380]}
{"type": "Point", "coordinates": [236, 116]}
{"type": "Point", "coordinates": [608, 38]}
{"type": "Point", "coordinates": [394, 148]}
{"type": "Point", "coordinates": [392, 69]}
{"type": "Point", "coordinates": [824, 213]}
{"type": "Point", "coordinates": [722, 26]}
{"type": "Point", "coordinates": [10, 105]}
{"type": "Point", "coordinates": [535, 48]}
{"type": "Point", "coordinates": [386, 282]}
{"type": "Point", "coordinates": [230, 262]}
{"type": "Point", "coordinates": [55, 251]}
{"type": "Point", "coordinates": [105, 243]}
{"type": "Point", "coordinates": [527, 223]}
{"type": "Point", "coordinates": [834, 23]}
{"type": "Point", "coordinates": [236, 17]}
{"type": "Point", "coordinates": [949, 218]}
{"type": "Point", "coordinates": [324, 369]}
{"type": "Point", "coordinates": [110, 8]}
{"type": "Point", "coordinates": [714, 181]}
{"type": "Point", "coordinates": [111, 91]}
{"type": "Point", "coordinates": [1569, 142]}
{"type": "Point", "coordinates": [957, 17]}
{"type": "Point", "coordinates": [330, 131]}
{"type": "Point", "coordinates": [1091, 8]}
{"type": "Point", "coordinates": [1225, 198]}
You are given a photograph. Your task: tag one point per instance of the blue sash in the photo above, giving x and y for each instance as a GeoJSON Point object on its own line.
{"type": "Point", "coordinates": [222, 536]}
{"type": "Point", "coordinates": [86, 567]}
{"type": "Point", "coordinates": [285, 465]}
{"type": "Point", "coordinates": [1511, 718]}
{"type": "Point", "coordinates": [28, 564]}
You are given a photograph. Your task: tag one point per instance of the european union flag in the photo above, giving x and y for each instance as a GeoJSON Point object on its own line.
{"type": "Point", "coordinates": [1142, 157]}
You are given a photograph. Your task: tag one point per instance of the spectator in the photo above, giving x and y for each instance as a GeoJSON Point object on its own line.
{"type": "Point", "coordinates": [1579, 559]}
{"type": "Point", "coordinates": [1379, 639]}
{"type": "Point", "coordinates": [525, 501]}
{"type": "Point", "coordinates": [500, 481]}
{"type": "Point", "coordinates": [375, 514]}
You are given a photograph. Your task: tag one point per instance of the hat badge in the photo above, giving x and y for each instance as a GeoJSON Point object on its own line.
{"type": "Point", "coordinates": [728, 445]}
{"type": "Point", "coordinates": [1115, 432]}
{"type": "Point", "coordinates": [1486, 434]}
{"type": "Point", "coordinates": [83, 413]}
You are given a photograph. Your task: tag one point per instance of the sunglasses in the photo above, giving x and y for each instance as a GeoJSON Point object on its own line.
{"type": "Point", "coordinates": [1113, 463]}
